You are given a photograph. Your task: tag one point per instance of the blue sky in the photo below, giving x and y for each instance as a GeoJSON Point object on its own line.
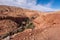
{"type": "Point", "coordinates": [40, 5]}
{"type": "Point", "coordinates": [55, 4]}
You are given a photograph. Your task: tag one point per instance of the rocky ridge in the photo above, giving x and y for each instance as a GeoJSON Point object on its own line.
{"type": "Point", "coordinates": [23, 24]}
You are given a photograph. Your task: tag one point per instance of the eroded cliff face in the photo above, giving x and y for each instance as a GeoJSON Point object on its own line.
{"type": "Point", "coordinates": [14, 20]}
{"type": "Point", "coordinates": [47, 28]}
{"type": "Point", "coordinates": [23, 24]}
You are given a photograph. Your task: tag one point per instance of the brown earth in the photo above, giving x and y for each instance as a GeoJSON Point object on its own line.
{"type": "Point", "coordinates": [7, 26]}
{"type": "Point", "coordinates": [47, 25]}
{"type": "Point", "coordinates": [47, 29]}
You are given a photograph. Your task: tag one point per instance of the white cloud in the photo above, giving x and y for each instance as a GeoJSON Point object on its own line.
{"type": "Point", "coordinates": [48, 5]}
{"type": "Point", "coordinates": [29, 4]}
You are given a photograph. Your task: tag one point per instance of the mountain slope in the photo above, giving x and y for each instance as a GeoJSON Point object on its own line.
{"type": "Point", "coordinates": [23, 24]}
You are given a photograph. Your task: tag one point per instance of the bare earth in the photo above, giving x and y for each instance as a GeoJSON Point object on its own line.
{"type": "Point", "coordinates": [47, 25]}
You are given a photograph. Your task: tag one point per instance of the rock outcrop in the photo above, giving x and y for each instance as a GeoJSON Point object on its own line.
{"type": "Point", "coordinates": [23, 24]}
